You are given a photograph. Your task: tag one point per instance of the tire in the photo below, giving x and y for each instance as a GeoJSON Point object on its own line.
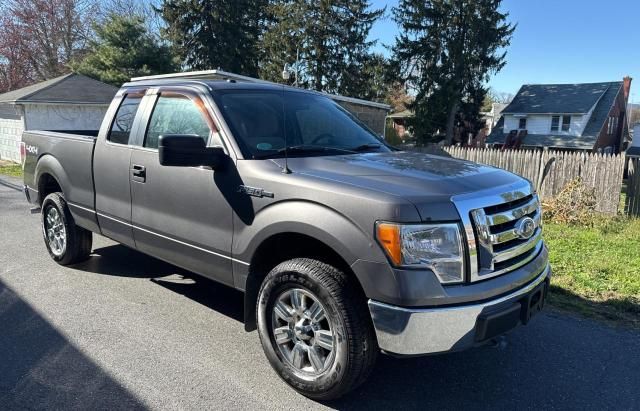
{"type": "Point", "coordinates": [290, 302]}
{"type": "Point", "coordinates": [66, 242]}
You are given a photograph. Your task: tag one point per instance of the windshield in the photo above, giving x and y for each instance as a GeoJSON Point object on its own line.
{"type": "Point", "coordinates": [312, 124]}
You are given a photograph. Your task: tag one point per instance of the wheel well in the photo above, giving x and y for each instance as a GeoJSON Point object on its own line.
{"type": "Point", "coordinates": [47, 184]}
{"type": "Point", "coordinates": [277, 249]}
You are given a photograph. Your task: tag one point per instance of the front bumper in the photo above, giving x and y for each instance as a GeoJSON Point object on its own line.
{"type": "Point", "coordinates": [409, 331]}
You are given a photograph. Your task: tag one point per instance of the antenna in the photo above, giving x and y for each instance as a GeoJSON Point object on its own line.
{"type": "Point", "coordinates": [285, 170]}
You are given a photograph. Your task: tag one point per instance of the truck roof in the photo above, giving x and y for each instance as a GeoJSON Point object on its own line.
{"type": "Point", "coordinates": [220, 80]}
{"type": "Point", "coordinates": [215, 84]}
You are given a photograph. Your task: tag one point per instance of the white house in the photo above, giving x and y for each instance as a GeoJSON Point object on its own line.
{"type": "Point", "coordinates": [586, 116]}
{"type": "Point", "coordinates": [492, 117]}
{"type": "Point", "coordinates": [69, 102]}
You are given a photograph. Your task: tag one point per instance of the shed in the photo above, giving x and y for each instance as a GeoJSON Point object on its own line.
{"type": "Point", "coordinates": [69, 102]}
{"type": "Point", "coordinates": [399, 122]}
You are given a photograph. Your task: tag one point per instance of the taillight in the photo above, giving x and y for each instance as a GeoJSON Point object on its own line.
{"type": "Point", "coordinates": [23, 153]}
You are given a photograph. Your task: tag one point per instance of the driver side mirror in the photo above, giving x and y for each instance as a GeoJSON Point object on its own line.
{"type": "Point", "coordinates": [188, 150]}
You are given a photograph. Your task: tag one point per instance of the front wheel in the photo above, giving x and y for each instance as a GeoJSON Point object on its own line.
{"type": "Point", "coordinates": [315, 328]}
{"type": "Point", "coordinates": [66, 242]}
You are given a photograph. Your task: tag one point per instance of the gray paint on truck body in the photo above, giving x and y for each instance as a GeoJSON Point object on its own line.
{"type": "Point", "coordinates": [200, 219]}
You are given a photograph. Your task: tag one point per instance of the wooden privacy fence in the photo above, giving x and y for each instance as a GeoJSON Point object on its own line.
{"type": "Point", "coordinates": [632, 205]}
{"type": "Point", "coordinates": [551, 170]}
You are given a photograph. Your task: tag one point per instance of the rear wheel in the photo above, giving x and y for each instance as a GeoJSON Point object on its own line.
{"type": "Point", "coordinates": [66, 242]}
{"type": "Point", "coordinates": [315, 328]}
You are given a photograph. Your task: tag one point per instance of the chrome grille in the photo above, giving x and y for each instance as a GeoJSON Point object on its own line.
{"type": "Point", "coordinates": [503, 230]}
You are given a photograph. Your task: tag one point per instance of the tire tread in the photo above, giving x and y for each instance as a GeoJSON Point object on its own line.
{"type": "Point", "coordinates": [79, 240]}
{"type": "Point", "coordinates": [362, 343]}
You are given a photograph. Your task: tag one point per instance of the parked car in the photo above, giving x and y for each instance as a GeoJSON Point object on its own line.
{"type": "Point", "coordinates": [343, 245]}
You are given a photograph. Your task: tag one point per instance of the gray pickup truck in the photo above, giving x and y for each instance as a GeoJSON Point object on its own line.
{"type": "Point", "coordinates": [343, 246]}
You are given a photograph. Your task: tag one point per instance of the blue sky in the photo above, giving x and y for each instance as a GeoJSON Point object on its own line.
{"type": "Point", "coordinates": [559, 41]}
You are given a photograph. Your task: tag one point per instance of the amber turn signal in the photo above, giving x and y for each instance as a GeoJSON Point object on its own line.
{"type": "Point", "coordinates": [388, 236]}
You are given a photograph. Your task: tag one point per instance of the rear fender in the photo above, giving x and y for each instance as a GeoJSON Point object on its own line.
{"type": "Point", "coordinates": [48, 164]}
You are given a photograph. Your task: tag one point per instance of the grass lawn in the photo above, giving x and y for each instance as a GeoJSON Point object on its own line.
{"type": "Point", "coordinates": [596, 270]}
{"type": "Point", "coordinates": [10, 169]}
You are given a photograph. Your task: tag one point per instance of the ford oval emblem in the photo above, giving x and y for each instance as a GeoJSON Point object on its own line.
{"type": "Point", "coordinates": [525, 228]}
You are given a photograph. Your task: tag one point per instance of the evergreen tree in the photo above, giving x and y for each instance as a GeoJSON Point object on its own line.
{"type": "Point", "coordinates": [330, 40]}
{"type": "Point", "coordinates": [123, 48]}
{"type": "Point", "coordinates": [211, 34]}
{"type": "Point", "coordinates": [447, 50]}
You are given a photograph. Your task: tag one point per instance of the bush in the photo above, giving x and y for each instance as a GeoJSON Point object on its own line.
{"type": "Point", "coordinates": [575, 205]}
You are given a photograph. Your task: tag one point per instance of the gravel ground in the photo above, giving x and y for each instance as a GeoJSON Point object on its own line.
{"type": "Point", "coordinates": [124, 330]}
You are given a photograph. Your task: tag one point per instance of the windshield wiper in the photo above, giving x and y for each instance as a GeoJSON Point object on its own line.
{"type": "Point", "coordinates": [309, 148]}
{"type": "Point", "coordinates": [305, 148]}
{"type": "Point", "coordinates": [366, 147]}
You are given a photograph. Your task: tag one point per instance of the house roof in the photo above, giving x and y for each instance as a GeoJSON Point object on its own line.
{"type": "Point", "coordinates": [589, 136]}
{"type": "Point", "coordinates": [558, 98]}
{"type": "Point", "coordinates": [67, 89]}
{"type": "Point", "coordinates": [401, 114]}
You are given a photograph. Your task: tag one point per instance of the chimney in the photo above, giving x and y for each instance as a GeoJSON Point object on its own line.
{"type": "Point", "coordinates": [626, 86]}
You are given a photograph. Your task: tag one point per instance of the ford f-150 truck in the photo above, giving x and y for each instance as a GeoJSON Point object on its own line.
{"type": "Point", "coordinates": [343, 246]}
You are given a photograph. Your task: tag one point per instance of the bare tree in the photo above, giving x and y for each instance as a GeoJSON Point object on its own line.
{"type": "Point", "coordinates": [500, 96]}
{"type": "Point", "coordinates": [38, 38]}
{"type": "Point", "coordinates": [145, 9]}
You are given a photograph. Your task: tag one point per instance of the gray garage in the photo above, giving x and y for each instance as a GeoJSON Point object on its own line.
{"type": "Point", "coordinates": [69, 102]}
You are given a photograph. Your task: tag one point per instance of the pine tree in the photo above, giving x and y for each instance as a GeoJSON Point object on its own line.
{"type": "Point", "coordinates": [211, 34]}
{"type": "Point", "coordinates": [123, 48]}
{"type": "Point", "coordinates": [447, 51]}
{"type": "Point", "coordinates": [330, 40]}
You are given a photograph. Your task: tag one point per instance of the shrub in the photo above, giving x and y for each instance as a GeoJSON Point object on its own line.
{"type": "Point", "coordinates": [575, 204]}
{"type": "Point", "coordinates": [391, 135]}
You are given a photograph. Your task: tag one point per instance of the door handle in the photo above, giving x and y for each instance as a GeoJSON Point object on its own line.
{"type": "Point", "coordinates": [139, 173]}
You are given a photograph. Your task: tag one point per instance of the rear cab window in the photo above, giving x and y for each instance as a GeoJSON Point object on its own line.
{"type": "Point", "coordinates": [120, 131]}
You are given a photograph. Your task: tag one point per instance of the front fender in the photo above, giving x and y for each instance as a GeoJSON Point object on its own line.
{"type": "Point", "coordinates": [344, 236]}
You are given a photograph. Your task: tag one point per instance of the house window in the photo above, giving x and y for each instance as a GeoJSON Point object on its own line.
{"type": "Point", "coordinates": [522, 124]}
{"type": "Point", "coordinates": [612, 125]}
{"type": "Point", "coordinates": [555, 123]}
{"type": "Point", "coordinates": [566, 123]}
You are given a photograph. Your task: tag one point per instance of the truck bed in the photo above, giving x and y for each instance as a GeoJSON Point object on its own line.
{"type": "Point", "coordinates": [68, 155]}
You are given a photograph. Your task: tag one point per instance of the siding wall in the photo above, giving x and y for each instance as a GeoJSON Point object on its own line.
{"type": "Point", "coordinates": [45, 117]}
{"type": "Point", "coordinates": [614, 140]}
{"type": "Point", "coordinates": [63, 117]}
{"type": "Point", "coordinates": [10, 136]}
{"type": "Point", "coordinates": [541, 124]}
{"type": "Point", "coordinates": [372, 116]}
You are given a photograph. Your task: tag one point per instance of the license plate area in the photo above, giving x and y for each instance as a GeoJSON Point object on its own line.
{"type": "Point", "coordinates": [534, 302]}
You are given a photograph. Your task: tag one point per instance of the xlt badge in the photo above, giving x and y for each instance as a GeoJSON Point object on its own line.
{"type": "Point", "coordinates": [255, 191]}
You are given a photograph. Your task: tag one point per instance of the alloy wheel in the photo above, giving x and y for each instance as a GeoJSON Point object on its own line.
{"type": "Point", "coordinates": [303, 332]}
{"type": "Point", "coordinates": [54, 231]}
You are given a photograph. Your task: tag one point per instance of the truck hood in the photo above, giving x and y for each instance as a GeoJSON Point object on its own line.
{"type": "Point", "coordinates": [428, 181]}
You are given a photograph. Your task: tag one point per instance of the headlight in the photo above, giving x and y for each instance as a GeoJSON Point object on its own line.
{"type": "Point", "coordinates": [437, 247]}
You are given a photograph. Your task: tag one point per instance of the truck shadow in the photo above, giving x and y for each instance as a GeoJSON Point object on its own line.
{"type": "Point", "coordinates": [41, 369]}
{"type": "Point", "coordinates": [121, 261]}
